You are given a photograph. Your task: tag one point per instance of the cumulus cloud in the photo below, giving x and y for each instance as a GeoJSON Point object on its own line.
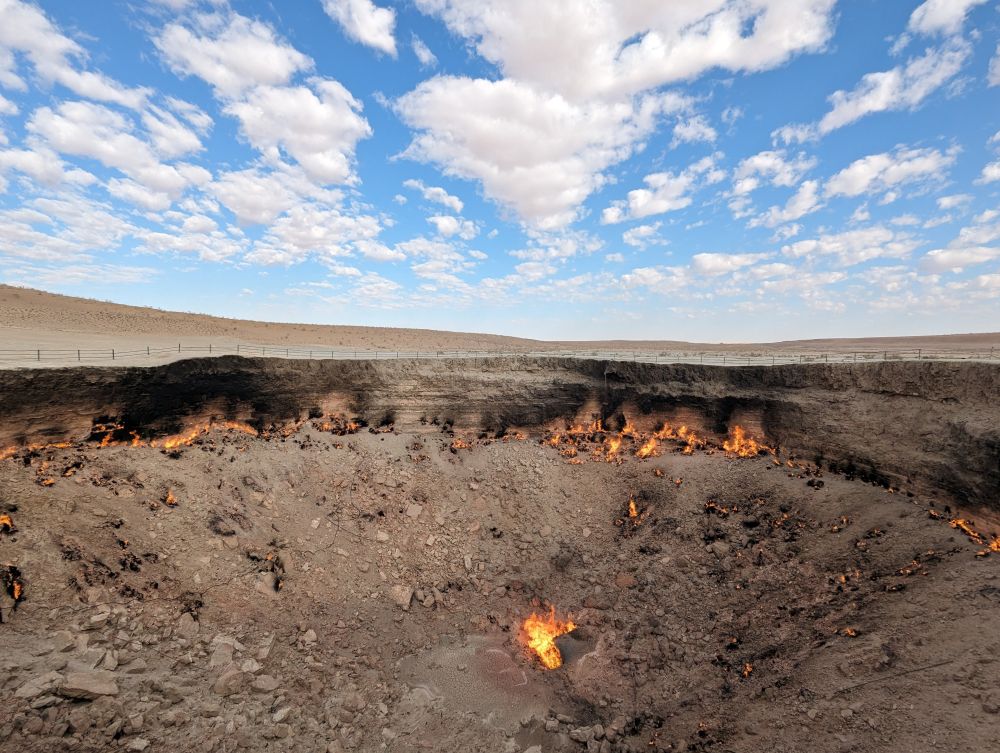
{"type": "Point", "coordinates": [427, 58]}
{"type": "Point", "coordinates": [251, 69]}
{"type": "Point", "coordinates": [975, 244]}
{"type": "Point", "coordinates": [901, 88]}
{"type": "Point", "coordinates": [365, 22]}
{"type": "Point", "coordinates": [855, 246]}
{"type": "Point", "coordinates": [447, 226]}
{"type": "Point", "coordinates": [775, 168]}
{"type": "Point", "coordinates": [537, 153]}
{"type": "Point", "coordinates": [713, 265]}
{"type": "Point", "coordinates": [318, 127]}
{"type": "Point", "coordinates": [665, 192]}
{"type": "Point", "coordinates": [585, 49]}
{"type": "Point", "coordinates": [878, 173]}
{"type": "Point", "coordinates": [435, 194]}
{"type": "Point", "coordinates": [941, 16]}
{"type": "Point", "coordinates": [575, 98]}
{"type": "Point", "coordinates": [993, 76]}
{"type": "Point", "coordinates": [27, 30]}
{"type": "Point", "coordinates": [86, 129]}
{"type": "Point", "coordinates": [805, 201]}
{"type": "Point", "coordinates": [642, 235]}
{"type": "Point", "coordinates": [990, 173]}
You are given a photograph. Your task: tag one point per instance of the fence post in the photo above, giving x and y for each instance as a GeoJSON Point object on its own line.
{"type": "Point", "coordinates": [39, 354]}
{"type": "Point", "coordinates": [885, 355]}
{"type": "Point", "coordinates": [78, 355]}
{"type": "Point", "coordinates": [112, 354]}
{"type": "Point", "coordinates": [919, 351]}
{"type": "Point", "coordinates": [178, 347]}
{"type": "Point", "coordinates": [147, 351]}
{"type": "Point", "coordinates": [210, 348]}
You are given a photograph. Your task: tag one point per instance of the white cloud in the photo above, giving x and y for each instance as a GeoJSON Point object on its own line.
{"type": "Point", "coordinates": [365, 22]}
{"type": "Point", "coordinates": [975, 244]}
{"type": "Point", "coordinates": [901, 88]}
{"type": "Point", "coordinates": [435, 194]}
{"type": "Point", "coordinates": [7, 107]}
{"type": "Point", "coordinates": [231, 53]}
{"type": "Point", "coordinates": [254, 196]}
{"type": "Point", "coordinates": [878, 173]}
{"type": "Point", "coordinates": [587, 49]}
{"type": "Point", "coordinates": [953, 201]}
{"type": "Point", "coordinates": [538, 153]}
{"type": "Point", "coordinates": [990, 173]}
{"type": "Point", "coordinates": [713, 265]}
{"type": "Point", "coordinates": [614, 258]}
{"type": "Point", "coordinates": [89, 130]}
{"type": "Point", "coordinates": [774, 167]}
{"type": "Point", "coordinates": [855, 246]}
{"type": "Point", "coordinates": [134, 193]}
{"type": "Point", "coordinates": [642, 235]}
{"type": "Point", "coordinates": [427, 58]}
{"type": "Point", "coordinates": [170, 137]}
{"type": "Point", "coordinates": [447, 226]}
{"type": "Point", "coordinates": [993, 76]}
{"type": "Point", "coordinates": [26, 29]}
{"type": "Point", "coordinates": [941, 16]}
{"type": "Point", "coordinates": [318, 127]}
{"type": "Point", "coordinates": [41, 164]}
{"type": "Point", "coordinates": [805, 201]}
{"type": "Point", "coordinates": [693, 129]}
{"type": "Point", "coordinates": [666, 192]}
{"type": "Point", "coordinates": [573, 99]}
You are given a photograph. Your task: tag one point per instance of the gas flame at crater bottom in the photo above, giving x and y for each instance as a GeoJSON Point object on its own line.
{"type": "Point", "coordinates": [539, 634]}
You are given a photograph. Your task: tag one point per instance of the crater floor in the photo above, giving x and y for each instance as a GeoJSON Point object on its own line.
{"type": "Point", "coordinates": [364, 592]}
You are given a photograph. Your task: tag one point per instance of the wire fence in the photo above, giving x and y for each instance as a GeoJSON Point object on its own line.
{"type": "Point", "coordinates": [137, 356]}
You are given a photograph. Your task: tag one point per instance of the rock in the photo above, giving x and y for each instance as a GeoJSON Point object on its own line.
{"type": "Point", "coordinates": [222, 656]}
{"type": "Point", "coordinates": [281, 731]}
{"type": "Point", "coordinates": [33, 725]}
{"type": "Point", "coordinates": [63, 641]}
{"type": "Point", "coordinates": [88, 685]}
{"type": "Point", "coordinates": [281, 714]}
{"type": "Point", "coordinates": [551, 725]}
{"type": "Point", "coordinates": [265, 684]}
{"type": "Point", "coordinates": [335, 747]}
{"type": "Point", "coordinates": [581, 734]}
{"type": "Point", "coordinates": [626, 580]}
{"type": "Point", "coordinates": [414, 510]}
{"type": "Point", "coordinates": [719, 548]}
{"type": "Point", "coordinates": [402, 596]}
{"type": "Point", "coordinates": [39, 685]}
{"type": "Point", "coordinates": [230, 682]}
{"type": "Point", "coordinates": [137, 743]}
{"type": "Point", "coordinates": [251, 666]}
{"type": "Point", "coordinates": [381, 536]}
{"type": "Point", "coordinates": [309, 636]}
{"type": "Point", "coordinates": [187, 626]}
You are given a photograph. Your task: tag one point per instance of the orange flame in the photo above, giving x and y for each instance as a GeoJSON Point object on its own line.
{"type": "Point", "coordinates": [965, 527]}
{"type": "Point", "coordinates": [648, 450]}
{"type": "Point", "coordinates": [633, 511]}
{"type": "Point", "coordinates": [741, 445]}
{"type": "Point", "coordinates": [540, 633]}
{"type": "Point", "coordinates": [459, 444]}
{"type": "Point", "coordinates": [6, 524]}
{"type": "Point", "coordinates": [170, 500]}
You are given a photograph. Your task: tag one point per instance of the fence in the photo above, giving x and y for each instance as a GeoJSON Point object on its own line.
{"type": "Point", "coordinates": [736, 357]}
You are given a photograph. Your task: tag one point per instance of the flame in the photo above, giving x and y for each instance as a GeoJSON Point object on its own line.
{"type": "Point", "coordinates": [628, 430]}
{"type": "Point", "coordinates": [187, 438]}
{"type": "Point", "coordinates": [747, 669]}
{"type": "Point", "coordinates": [741, 445]}
{"type": "Point", "coordinates": [965, 526]}
{"type": "Point", "coordinates": [170, 500]}
{"type": "Point", "coordinates": [648, 450]}
{"type": "Point", "coordinates": [6, 524]}
{"type": "Point", "coordinates": [690, 439]}
{"type": "Point", "coordinates": [633, 511]}
{"type": "Point", "coordinates": [540, 633]}
{"type": "Point", "coordinates": [459, 444]}
{"type": "Point", "coordinates": [995, 544]}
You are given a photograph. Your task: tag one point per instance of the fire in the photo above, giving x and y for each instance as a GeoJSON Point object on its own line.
{"type": "Point", "coordinates": [10, 581]}
{"type": "Point", "coordinates": [741, 445]}
{"type": "Point", "coordinates": [633, 511]}
{"type": "Point", "coordinates": [690, 439]}
{"type": "Point", "coordinates": [170, 500]}
{"type": "Point", "coordinates": [995, 544]}
{"type": "Point", "coordinates": [187, 438]}
{"type": "Point", "coordinates": [6, 524]}
{"type": "Point", "coordinates": [965, 527]}
{"type": "Point", "coordinates": [540, 633]}
{"type": "Point", "coordinates": [459, 444]}
{"type": "Point", "coordinates": [648, 450]}
{"type": "Point", "coordinates": [747, 669]}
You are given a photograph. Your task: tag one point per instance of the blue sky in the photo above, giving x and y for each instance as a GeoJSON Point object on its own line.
{"type": "Point", "coordinates": [722, 170]}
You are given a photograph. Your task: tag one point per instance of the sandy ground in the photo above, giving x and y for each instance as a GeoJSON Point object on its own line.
{"type": "Point", "coordinates": [316, 592]}
{"type": "Point", "coordinates": [31, 320]}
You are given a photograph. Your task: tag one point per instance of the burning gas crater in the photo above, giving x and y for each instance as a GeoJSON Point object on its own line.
{"type": "Point", "coordinates": [600, 443]}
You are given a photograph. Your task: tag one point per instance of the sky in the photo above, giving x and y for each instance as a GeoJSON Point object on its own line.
{"type": "Point", "coordinates": [713, 170]}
